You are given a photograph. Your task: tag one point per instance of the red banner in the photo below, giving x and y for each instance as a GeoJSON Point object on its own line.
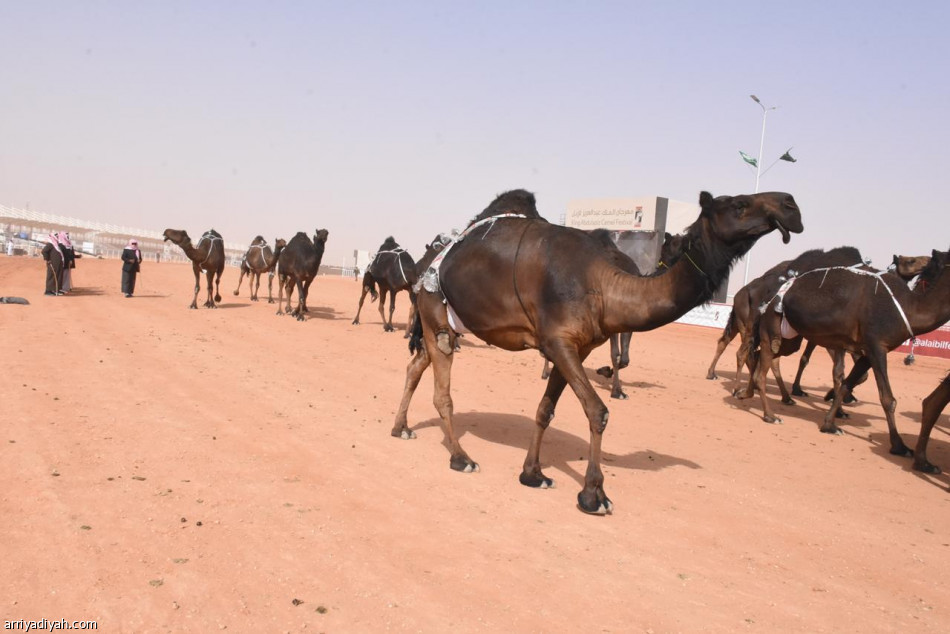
{"type": "Point", "coordinates": [933, 344]}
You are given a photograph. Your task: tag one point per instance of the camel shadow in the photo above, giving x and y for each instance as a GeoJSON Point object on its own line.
{"type": "Point", "coordinates": [938, 452]}
{"type": "Point", "coordinates": [233, 305]}
{"type": "Point", "coordinates": [559, 448]}
{"type": "Point", "coordinates": [84, 292]}
{"type": "Point", "coordinates": [150, 296]}
{"type": "Point", "coordinates": [811, 408]}
{"type": "Point", "coordinates": [323, 312]}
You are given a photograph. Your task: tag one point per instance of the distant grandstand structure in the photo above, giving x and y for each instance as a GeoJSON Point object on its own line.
{"type": "Point", "coordinates": [23, 232]}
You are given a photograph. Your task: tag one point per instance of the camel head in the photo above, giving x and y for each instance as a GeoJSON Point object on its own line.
{"type": "Point", "coordinates": [750, 216]}
{"type": "Point", "coordinates": [438, 243]}
{"type": "Point", "coordinates": [178, 236]}
{"type": "Point", "coordinates": [279, 243]}
{"type": "Point", "coordinates": [388, 244]}
{"type": "Point", "coordinates": [907, 266]}
{"type": "Point", "coordinates": [258, 240]}
{"type": "Point", "coordinates": [321, 236]}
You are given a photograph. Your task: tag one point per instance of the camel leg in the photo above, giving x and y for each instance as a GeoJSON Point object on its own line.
{"type": "Point", "coordinates": [194, 300]}
{"type": "Point", "coordinates": [356, 320]}
{"type": "Point", "coordinates": [777, 373]}
{"type": "Point", "coordinates": [217, 285]}
{"type": "Point", "coordinates": [270, 285]}
{"type": "Point", "coordinates": [306, 293]}
{"type": "Point", "coordinates": [414, 371]}
{"type": "Point", "coordinates": [237, 291]}
{"type": "Point", "coordinates": [878, 357]}
{"type": "Point", "coordinates": [766, 355]}
{"type": "Point", "coordinates": [382, 306]}
{"type": "Point", "coordinates": [802, 364]}
{"type": "Point", "coordinates": [392, 309]}
{"type": "Point", "coordinates": [531, 474]}
{"type": "Point", "coordinates": [837, 374]}
{"type": "Point", "coordinates": [620, 361]}
{"type": "Point", "coordinates": [607, 371]}
{"type": "Point", "coordinates": [301, 301]}
{"type": "Point", "coordinates": [742, 358]}
{"type": "Point", "coordinates": [567, 362]}
{"type": "Point", "coordinates": [728, 334]}
{"type": "Point", "coordinates": [932, 407]}
{"type": "Point", "coordinates": [209, 277]}
{"type": "Point", "coordinates": [255, 284]}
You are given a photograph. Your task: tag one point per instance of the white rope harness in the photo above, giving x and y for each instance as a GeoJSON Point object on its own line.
{"type": "Point", "coordinates": [431, 281]}
{"type": "Point", "coordinates": [398, 251]}
{"type": "Point", "coordinates": [878, 275]}
{"type": "Point", "coordinates": [211, 238]}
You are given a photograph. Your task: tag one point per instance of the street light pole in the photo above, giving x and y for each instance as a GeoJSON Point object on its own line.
{"type": "Point", "coordinates": [758, 170]}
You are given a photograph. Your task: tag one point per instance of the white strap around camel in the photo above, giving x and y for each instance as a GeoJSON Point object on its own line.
{"type": "Point", "coordinates": [398, 251]}
{"type": "Point", "coordinates": [878, 275]}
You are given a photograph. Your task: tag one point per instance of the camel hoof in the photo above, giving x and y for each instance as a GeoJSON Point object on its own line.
{"type": "Point", "coordinates": [621, 396]}
{"type": "Point", "coordinates": [926, 467]}
{"type": "Point", "coordinates": [536, 481]}
{"type": "Point", "coordinates": [902, 451]}
{"type": "Point", "coordinates": [832, 429]}
{"type": "Point", "coordinates": [356, 322]}
{"type": "Point", "coordinates": [797, 391]}
{"type": "Point", "coordinates": [788, 401]}
{"type": "Point", "coordinates": [605, 372]}
{"type": "Point", "coordinates": [772, 420]}
{"type": "Point", "coordinates": [463, 464]}
{"type": "Point", "coordinates": [712, 376]}
{"type": "Point", "coordinates": [235, 293]}
{"type": "Point", "coordinates": [842, 414]}
{"type": "Point", "coordinates": [598, 507]}
{"type": "Point", "coordinates": [407, 434]}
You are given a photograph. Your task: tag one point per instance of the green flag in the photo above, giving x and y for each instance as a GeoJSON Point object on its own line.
{"type": "Point", "coordinates": [787, 157]}
{"type": "Point", "coordinates": [748, 159]}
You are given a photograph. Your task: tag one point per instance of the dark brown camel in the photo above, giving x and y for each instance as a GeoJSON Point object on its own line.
{"type": "Point", "coordinates": [207, 256]}
{"type": "Point", "coordinates": [257, 260]}
{"type": "Point", "coordinates": [863, 313]}
{"type": "Point", "coordinates": [747, 303]}
{"type": "Point", "coordinates": [519, 282]}
{"type": "Point", "coordinates": [393, 270]}
{"type": "Point", "coordinates": [907, 267]}
{"type": "Point", "coordinates": [932, 408]}
{"type": "Point", "coordinates": [297, 265]}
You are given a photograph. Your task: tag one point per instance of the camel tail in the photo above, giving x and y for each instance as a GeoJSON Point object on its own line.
{"type": "Point", "coordinates": [369, 283]}
{"type": "Point", "coordinates": [730, 329]}
{"type": "Point", "coordinates": [415, 338]}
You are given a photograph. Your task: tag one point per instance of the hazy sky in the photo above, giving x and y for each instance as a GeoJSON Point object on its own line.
{"type": "Point", "coordinates": [407, 118]}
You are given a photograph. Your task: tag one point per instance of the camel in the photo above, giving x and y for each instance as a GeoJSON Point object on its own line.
{"type": "Point", "coordinates": [207, 256]}
{"type": "Point", "coordinates": [908, 267]}
{"type": "Point", "coordinates": [744, 317]}
{"type": "Point", "coordinates": [518, 282]}
{"type": "Point", "coordinates": [932, 406]}
{"type": "Point", "coordinates": [863, 312]}
{"type": "Point", "coordinates": [259, 259]}
{"type": "Point", "coordinates": [394, 270]}
{"type": "Point", "coordinates": [297, 265]}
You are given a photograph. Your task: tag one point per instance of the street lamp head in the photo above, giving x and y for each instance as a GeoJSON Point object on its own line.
{"type": "Point", "coordinates": [755, 99]}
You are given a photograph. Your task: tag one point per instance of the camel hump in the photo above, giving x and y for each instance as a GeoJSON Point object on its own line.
{"type": "Point", "coordinates": [516, 201]}
{"type": "Point", "coordinates": [388, 244]}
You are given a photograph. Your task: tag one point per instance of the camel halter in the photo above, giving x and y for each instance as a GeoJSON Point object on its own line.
{"type": "Point", "coordinates": [211, 238]}
{"type": "Point", "coordinates": [398, 251]}
{"type": "Point", "coordinates": [878, 275]}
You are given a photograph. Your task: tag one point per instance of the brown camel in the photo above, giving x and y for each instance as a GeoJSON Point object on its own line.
{"type": "Point", "coordinates": [746, 305]}
{"type": "Point", "coordinates": [867, 313]}
{"type": "Point", "coordinates": [297, 265]}
{"type": "Point", "coordinates": [932, 408]}
{"type": "Point", "coordinates": [519, 282]}
{"type": "Point", "coordinates": [207, 256]}
{"type": "Point", "coordinates": [907, 267]}
{"type": "Point", "coordinates": [259, 259]}
{"type": "Point", "coordinates": [393, 270]}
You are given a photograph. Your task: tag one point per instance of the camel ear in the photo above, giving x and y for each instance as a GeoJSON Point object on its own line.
{"type": "Point", "coordinates": [705, 199]}
{"type": "Point", "coordinates": [895, 260]}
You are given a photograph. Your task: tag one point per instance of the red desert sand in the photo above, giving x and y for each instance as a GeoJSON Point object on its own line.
{"type": "Point", "coordinates": [176, 470]}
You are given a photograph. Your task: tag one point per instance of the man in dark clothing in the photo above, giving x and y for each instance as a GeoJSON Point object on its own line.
{"type": "Point", "coordinates": [53, 255]}
{"type": "Point", "coordinates": [131, 261]}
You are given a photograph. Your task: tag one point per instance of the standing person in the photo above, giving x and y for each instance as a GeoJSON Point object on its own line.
{"type": "Point", "coordinates": [131, 261]}
{"type": "Point", "coordinates": [53, 255]}
{"type": "Point", "coordinates": [69, 260]}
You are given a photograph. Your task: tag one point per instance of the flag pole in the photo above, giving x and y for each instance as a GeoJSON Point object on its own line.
{"type": "Point", "coordinates": [758, 171]}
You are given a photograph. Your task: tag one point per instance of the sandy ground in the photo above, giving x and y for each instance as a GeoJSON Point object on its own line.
{"type": "Point", "coordinates": [178, 470]}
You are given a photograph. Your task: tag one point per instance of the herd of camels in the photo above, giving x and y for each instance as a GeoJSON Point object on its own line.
{"type": "Point", "coordinates": [564, 292]}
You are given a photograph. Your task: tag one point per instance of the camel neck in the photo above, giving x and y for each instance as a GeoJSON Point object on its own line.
{"type": "Point", "coordinates": [928, 308]}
